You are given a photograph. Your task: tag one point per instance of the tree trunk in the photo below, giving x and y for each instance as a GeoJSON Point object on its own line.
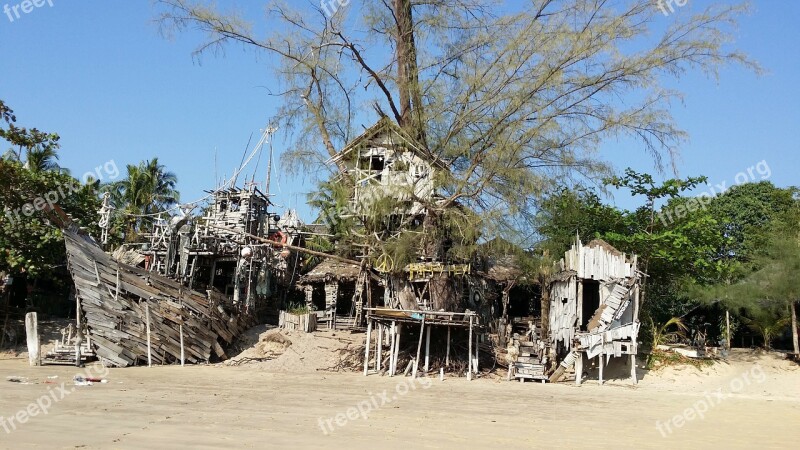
{"type": "Point", "coordinates": [545, 306]}
{"type": "Point", "coordinates": [408, 72]}
{"type": "Point", "coordinates": [794, 328]}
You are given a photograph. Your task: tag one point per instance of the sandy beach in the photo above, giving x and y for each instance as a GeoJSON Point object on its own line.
{"type": "Point", "coordinates": [751, 401]}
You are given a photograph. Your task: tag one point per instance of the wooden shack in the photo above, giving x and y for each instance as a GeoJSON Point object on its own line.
{"type": "Point", "coordinates": [594, 307]}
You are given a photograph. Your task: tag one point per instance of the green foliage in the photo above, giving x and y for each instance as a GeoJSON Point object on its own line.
{"type": "Point", "coordinates": [37, 150]}
{"type": "Point", "coordinates": [568, 212]}
{"type": "Point", "coordinates": [30, 181]}
{"type": "Point", "coordinates": [28, 242]}
{"type": "Point", "coordinates": [147, 189]}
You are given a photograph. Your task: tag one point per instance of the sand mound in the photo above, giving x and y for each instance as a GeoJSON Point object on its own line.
{"type": "Point", "coordinates": [764, 373]}
{"type": "Point", "coordinates": [271, 349]}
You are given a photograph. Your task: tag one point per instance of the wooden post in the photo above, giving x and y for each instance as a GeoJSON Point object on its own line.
{"type": "Point", "coordinates": [379, 348]}
{"type": "Point", "coordinates": [366, 346]}
{"type": "Point", "coordinates": [794, 328]}
{"type": "Point", "coordinates": [32, 334]}
{"type": "Point", "coordinates": [78, 330]}
{"type": "Point", "coordinates": [447, 355]}
{"type": "Point", "coordinates": [579, 369]}
{"type": "Point", "coordinates": [149, 349]}
{"type": "Point", "coordinates": [477, 351]}
{"type": "Point", "coordinates": [391, 348]}
{"type": "Point", "coordinates": [633, 369]}
{"type": "Point", "coordinates": [469, 352]}
{"type": "Point", "coordinates": [427, 349]}
{"type": "Point", "coordinates": [397, 329]}
{"type": "Point", "coordinates": [579, 304]}
{"type": "Point", "coordinates": [728, 328]}
{"type": "Point", "coordinates": [419, 346]}
{"type": "Point", "coordinates": [601, 360]}
{"type": "Point", "coordinates": [183, 359]}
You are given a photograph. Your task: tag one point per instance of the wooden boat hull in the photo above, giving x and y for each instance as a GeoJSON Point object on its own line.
{"type": "Point", "coordinates": [117, 301]}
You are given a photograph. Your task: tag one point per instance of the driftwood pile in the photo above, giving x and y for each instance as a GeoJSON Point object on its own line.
{"type": "Point", "coordinates": [135, 316]}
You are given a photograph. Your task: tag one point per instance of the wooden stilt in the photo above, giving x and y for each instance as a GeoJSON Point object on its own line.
{"type": "Point", "coordinates": [427, 349]}
{"type": "Point", "coordinates": [633, 370]}
{"type": "Point", "coordinates": [469, 352]}
{"type": "Point", "coordinates": [579, 369]}
{"type": "Point", "coordinates": [366, 346]}
{"type": "Point", "coordinates": [397, 346]}
{"type": "Point", "coordinates": [78, 329]}
{"type": "Point", "coordinates": [183, 355]}
{"type": "Point", "coordinates": [379, 348]}
{"type": "Point", "coordinates": [477, 350]}
{"type": "Point", "coordinates": [447, 355]}
{"type": "Point", "coordinates": [601, 360]}
{"type": "Point", "coordinates": [419, 346]}
{"type": "Point", "coordinates": [149, 346]}
{"type": "Point", "coordinates": [391, 349]}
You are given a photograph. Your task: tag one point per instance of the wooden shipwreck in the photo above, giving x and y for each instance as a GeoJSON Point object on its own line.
{"type": "Point", "coordinates": [191, 289]}
{"type": "Point", "coordinates": [134, 316]}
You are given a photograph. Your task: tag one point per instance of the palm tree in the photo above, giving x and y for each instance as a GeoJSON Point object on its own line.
{"type": "Point", "coordinates": [42, 159]}
{"type": "Point", "coordinates": [147, 190]}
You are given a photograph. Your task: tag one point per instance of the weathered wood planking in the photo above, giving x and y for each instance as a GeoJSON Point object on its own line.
{"type": "Point", "coordinates": [113, 296]}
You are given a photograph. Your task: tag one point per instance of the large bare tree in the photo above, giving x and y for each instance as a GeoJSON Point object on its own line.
{"type": "Point", "coordinates": [511, 98]}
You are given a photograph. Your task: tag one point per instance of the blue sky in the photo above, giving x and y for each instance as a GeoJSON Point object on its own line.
{"type": "Point", "coordinates": [100, 74]}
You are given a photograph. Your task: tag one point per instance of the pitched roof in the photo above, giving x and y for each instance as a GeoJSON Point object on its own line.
{"type": "Point", "coordinates": [329, 270]}
{"type": "Point", "coordinates": [383, 125]}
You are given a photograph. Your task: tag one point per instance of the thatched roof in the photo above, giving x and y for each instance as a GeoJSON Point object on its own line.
{"type": "Point", "coordinates": [604, 245]}
{"type": "Point", "coordinates": [330, 270]}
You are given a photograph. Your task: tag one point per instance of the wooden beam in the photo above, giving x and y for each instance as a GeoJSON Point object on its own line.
{"type": "Point", "coordinates": [288, 246]}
